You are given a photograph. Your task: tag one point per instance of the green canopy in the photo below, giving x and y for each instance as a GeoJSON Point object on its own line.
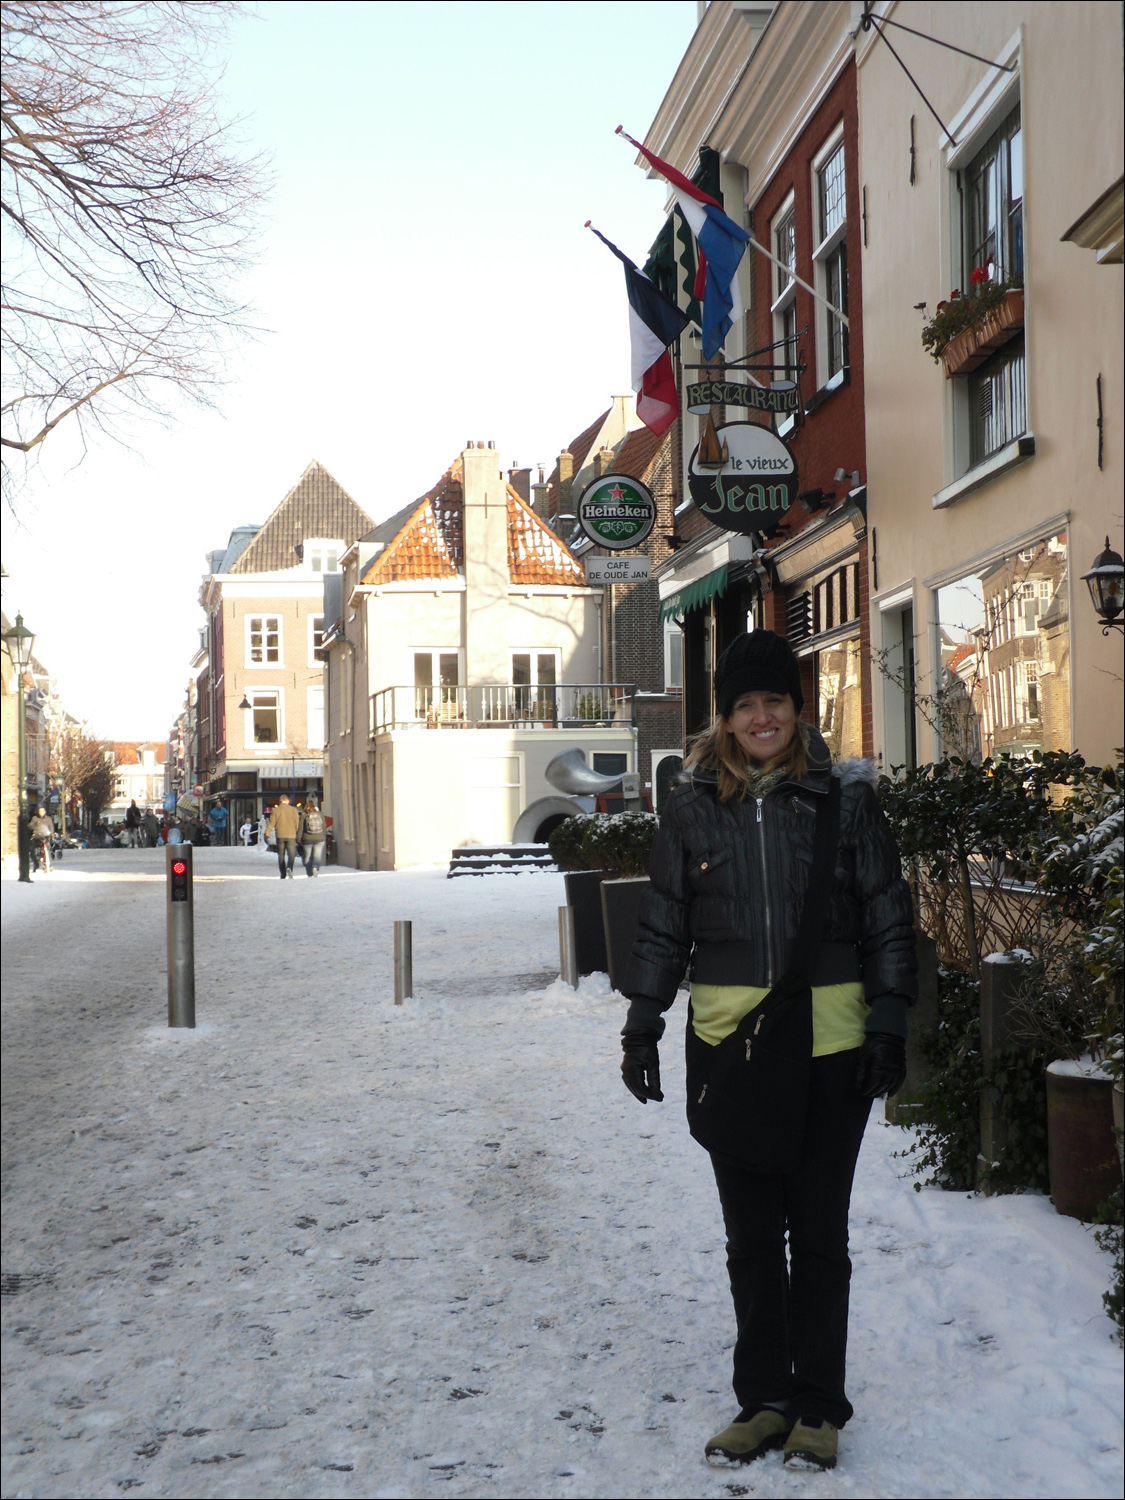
{"type": "Point", "coordinates": [695, 595]}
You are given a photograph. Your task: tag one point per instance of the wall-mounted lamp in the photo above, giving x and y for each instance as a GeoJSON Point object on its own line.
{"type": "Point", "coordinates": [1106, 581]}
{"type": "Point", "coordinates": [245, 702]}
{"type": "Point", "coordinates": [853, 478]}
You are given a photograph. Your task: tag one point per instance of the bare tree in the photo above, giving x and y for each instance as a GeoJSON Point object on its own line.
{"type": "Point", "coordinates": [127, 205]}
{"type": "Point", "coordinates": [83, 766]}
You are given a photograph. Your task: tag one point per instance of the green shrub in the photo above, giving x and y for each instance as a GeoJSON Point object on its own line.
{"type": "Point", "coordinates": [619, 843]}
{"type": "Point", "coordinates": [565, 843]}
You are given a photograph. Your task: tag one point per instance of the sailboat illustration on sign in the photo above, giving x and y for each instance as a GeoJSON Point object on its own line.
{"type": "Point", "coordinates": [712, 454]}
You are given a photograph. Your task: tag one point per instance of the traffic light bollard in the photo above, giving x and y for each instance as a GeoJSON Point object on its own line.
{"type": "Point", "coordinates": [181, 935]}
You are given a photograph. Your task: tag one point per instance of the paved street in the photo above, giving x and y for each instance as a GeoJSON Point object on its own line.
{"type": "Point", "coordinates": [323, 1247]}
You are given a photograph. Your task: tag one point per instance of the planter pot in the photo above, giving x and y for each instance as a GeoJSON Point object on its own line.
{"type": "Point", "coordinates": [583, 889]}
{"type": "Point", "coordinates": [972, 346]}
{"type": "Point", "coordinates": [1081, 1154]}
{"type": "Point", "coordinates": [621, 910]}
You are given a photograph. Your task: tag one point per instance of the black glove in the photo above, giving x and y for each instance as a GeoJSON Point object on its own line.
{"type": "Point", "coordinates": [640, 1065]}
{"type": "Point", "coordinates": [882, 1065]}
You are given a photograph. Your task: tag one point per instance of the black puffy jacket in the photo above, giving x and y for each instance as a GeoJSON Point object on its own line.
{"type": "Point", "coordinates": [728, 882]}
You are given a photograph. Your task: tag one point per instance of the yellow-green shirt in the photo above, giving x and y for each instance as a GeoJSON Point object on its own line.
{"type": "Point", "coordinates": [838, 1013]}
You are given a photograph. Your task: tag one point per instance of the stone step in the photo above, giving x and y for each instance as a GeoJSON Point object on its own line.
{"type": "Point", "coordinates": [482, 859]}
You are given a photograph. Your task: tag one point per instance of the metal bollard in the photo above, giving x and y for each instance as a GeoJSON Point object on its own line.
{"type": "Point", "coordinates": [568, 950]}
{"type": "Point", "coordinates": [181, 935]}
{"type": "Point", "coordinates": [404, 961]}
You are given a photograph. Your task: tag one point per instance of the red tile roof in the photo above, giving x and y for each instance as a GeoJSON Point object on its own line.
{"type": "Point", "coordinates": [431, 542]}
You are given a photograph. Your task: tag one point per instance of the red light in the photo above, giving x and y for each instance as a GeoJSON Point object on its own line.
{"type": "Point", "coordinates": [179, 868]}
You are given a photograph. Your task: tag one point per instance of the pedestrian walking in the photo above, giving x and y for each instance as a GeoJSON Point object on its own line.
{"type": "Point", "coordinates": [151, 827]}
{"type": "Point", "coordinates": [285, 825]}
{"type": "Point", "coordinates": [314, 832]}
{"type": "Point", "coordinates": [133, 825]}
{"type": "Point", "coordinates": [41, 830]}
{"type": "Point", "coordinates": [776, 876]}
{"type": "Point", "coordinates": [218, 819]}
{"type": "Point", "coordinates": [263, 824]}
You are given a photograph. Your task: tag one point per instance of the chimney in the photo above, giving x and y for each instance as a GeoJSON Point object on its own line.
{"type": "Point", "coordinates": [520, 480]}
{"type": "Point", "coordinates": [540, 502]}
{"type": "Point", "coordinates": [603, 462]}
{"type": "Point", "coordinates": [566, 478]}
{"type": "Point", "coordinates": [486, 567]}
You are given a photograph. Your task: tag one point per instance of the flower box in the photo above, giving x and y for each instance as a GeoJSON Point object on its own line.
{"type": "Point", "coordinates": [972, 346]}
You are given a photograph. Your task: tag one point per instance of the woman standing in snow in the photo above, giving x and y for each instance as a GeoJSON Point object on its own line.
{"type": "Point", "coordinates": [763, 820]}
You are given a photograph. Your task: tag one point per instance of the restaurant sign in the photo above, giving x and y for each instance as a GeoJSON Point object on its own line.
{"type": "Point", "coordinates": [742, 477]}
{"type": "Point", "coordinates": [781, 398]}
{"type": "Point", "coordinates": [617, 511]}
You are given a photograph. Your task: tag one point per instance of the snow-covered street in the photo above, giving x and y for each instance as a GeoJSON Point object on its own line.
{"type": "Point", "coordinates": [324, 1247]}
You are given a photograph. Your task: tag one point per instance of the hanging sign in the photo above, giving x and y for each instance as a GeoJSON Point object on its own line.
{"type": "Point", "coordinates": [617, 511]}
{"type": "Point", "coordinates": [742, 476]}
{"type": "Point", "coordinates": [780, 398]}
{"type": "Point", "coordinates": [624, 569]}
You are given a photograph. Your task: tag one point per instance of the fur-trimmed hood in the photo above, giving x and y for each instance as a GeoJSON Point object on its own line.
{"type": "Point", "coordinates": [853, 771]}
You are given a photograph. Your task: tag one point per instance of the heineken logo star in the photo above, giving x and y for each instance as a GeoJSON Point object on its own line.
{"type": "Point", "coordinates": [617, 493]}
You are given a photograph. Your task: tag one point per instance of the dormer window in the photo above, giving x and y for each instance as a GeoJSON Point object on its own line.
{"type": "Point", "coordinates": [322, 555]}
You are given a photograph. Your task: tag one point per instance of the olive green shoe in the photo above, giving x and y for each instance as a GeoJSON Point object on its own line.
{"type": "Point", "coordinates": [747, 1438]}
{"type": "Point", "coordinates": [812, 1444]}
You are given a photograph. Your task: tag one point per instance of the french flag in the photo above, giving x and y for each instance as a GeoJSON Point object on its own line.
{"type": "Point", "coordinates": [654, 323]}
{"type": "Point", "coordinates": [722, 244]}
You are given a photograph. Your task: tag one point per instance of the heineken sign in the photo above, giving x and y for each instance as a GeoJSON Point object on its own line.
{"type": "Point", "coordinates": [617, 511]}
{"type": "Point", "coordinates": [742, 477]}
{"type": "Point", "coordinates": [781, 399]}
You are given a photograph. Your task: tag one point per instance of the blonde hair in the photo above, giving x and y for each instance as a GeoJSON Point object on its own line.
{"type": "Point", "coordinates": [716, 749]}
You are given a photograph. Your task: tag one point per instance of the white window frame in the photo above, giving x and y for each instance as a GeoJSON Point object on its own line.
{"type": "Point", "coordinates": [314, 664]}
{"type": "Point", "coordinates": [435, 654]}
{"type": "Point", "coordinates": [257, 666]}
{"type": "Point", "coordinates": [989, 106]}
{"type": "Point", "coordinates": [533, 652]}
{"type": "Point", "coordinates": [784, 293]}
{"type": "Point", "coordinates": [672, 630]}
{"type": "Point", "coordinates": [824, 250]}
{"type": "Point", "coordinates": [251, 744]}
{"type": "Point", "coordinates": [318, 549]}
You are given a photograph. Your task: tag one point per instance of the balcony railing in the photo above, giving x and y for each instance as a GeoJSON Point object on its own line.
{"type": "Point", "coordinates": [504, 705]}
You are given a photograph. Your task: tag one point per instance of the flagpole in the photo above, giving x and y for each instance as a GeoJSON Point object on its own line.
{"type": "Point", "coordinates": [761, 249]}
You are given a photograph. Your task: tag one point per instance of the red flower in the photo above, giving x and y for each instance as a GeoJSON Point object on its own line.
{"type": "Point", "coordinates": [942, 305]}
{"type": "Point", "coordinates": [956, 292]}
{"type": "Point", "coordinates": [977, 276]}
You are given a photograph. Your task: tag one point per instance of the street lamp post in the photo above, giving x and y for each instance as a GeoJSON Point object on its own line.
{"type": "Point", "coordinates": [19, 641]}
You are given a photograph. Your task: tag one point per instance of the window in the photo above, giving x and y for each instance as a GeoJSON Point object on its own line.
{"type": "Point", "coordinates": [830, 260]}
{"type": "Point", "coordinates": [263, 641]}
{"type": "Point", "coordinates": [839, 699]}
{"type": "Point", "coordinates": [263, 719]}
{"type": "Point", "coordinates": [323, 556]}
{"type": "Point", "coordinates": [534, 675]}
{"type": "Point", "coordinates": [1004, 652]}
{"type": "Point", "coordinates": [785, 291]}
{"type": "Point", "coordinates": [673, 657]}
{"type": "Point", "coordinates": [437, 695]}
{"type": "Point", "coordinates": [316, 639]}
{"type": "Point", "coordinates": [610, 762]}
{"type": "Point", "coordinates": [991, 194]}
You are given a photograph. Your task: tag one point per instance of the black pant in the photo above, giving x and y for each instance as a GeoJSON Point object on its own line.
{"type": "Point", "coordinates": [793, 1319]}
{"type": "Point", "coordinates": [286, 849]}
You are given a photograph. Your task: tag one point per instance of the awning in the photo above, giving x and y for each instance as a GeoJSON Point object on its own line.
{"type": "Point", "coordinates": [695, 595]}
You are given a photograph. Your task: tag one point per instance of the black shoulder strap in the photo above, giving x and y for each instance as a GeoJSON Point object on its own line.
{"type": "Point", "coordinates": [822, 876]}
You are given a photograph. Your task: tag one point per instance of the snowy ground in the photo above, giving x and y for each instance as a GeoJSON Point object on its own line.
{"type": "Point", "coordinates": [321, 1247]}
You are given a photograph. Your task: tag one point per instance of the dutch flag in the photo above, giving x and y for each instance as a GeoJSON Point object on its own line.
{"type": "Point", "coordinates": [722, 244]}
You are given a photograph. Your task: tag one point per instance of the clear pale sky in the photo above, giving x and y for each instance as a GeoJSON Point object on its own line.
{"type": "Point", "coordinates": [424, 279]}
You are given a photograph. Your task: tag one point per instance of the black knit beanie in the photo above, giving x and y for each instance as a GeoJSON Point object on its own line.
{"type": "Point", "coordinates": [760, 662]}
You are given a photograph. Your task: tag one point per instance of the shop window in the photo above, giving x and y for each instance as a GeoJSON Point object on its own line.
{"type": "Point", "coordinates": [610, 763]}
{"type": "Point", "coordinates": [839, 699]}
{"type": "Point", "coordinates": [1004, 656]}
